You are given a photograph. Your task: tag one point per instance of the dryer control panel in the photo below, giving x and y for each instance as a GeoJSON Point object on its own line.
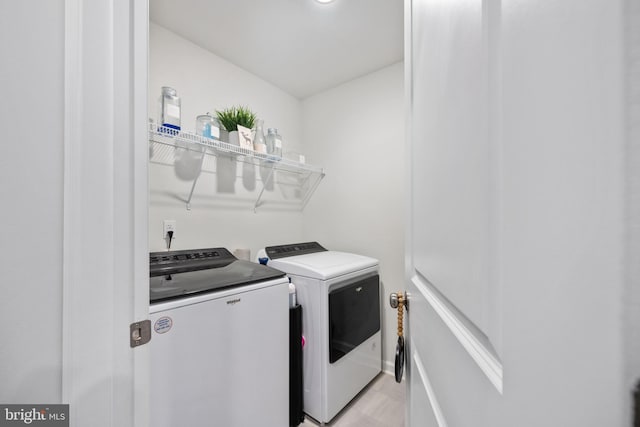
{"type": "Point", "coordinates": [282, 251]}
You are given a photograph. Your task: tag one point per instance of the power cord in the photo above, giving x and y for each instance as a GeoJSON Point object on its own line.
{"type": "Point", "coordinates": [170, 234]}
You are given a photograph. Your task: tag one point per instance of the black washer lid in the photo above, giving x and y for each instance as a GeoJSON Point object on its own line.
{"type": "Point", "coordinates": [178, 274]}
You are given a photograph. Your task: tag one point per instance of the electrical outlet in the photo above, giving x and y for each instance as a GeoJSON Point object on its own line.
{"type": "Point", "coordinates": [168, 225]}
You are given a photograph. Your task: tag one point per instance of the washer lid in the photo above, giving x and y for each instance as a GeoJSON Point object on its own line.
{"type": "Point", "coordinates": [323, 265]}
{"type": "Point", "coordinates": [178, 274]}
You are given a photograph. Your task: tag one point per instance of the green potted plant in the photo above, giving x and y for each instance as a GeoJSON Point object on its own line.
{"type": "Point", "coordinates": [230, 118]}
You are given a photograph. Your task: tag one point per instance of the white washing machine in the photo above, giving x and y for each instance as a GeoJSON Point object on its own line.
{"type": "Point", "coordinates": [220, 346]}
{"type": "Point", "coordinates": [340, 297]}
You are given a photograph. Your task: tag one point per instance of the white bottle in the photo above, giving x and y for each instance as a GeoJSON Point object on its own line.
{"type": "Point", "coordinates": [274, 142]}
{"type": "Point", "coordinates": [170, 108]}
{"type": "Point", "coordinates": [259, 144]}
{"type": "Point", "coordinates": [292, 295]}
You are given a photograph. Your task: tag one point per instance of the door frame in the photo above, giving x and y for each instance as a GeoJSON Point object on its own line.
{"type": "Point", "coordinates": [105, 242]}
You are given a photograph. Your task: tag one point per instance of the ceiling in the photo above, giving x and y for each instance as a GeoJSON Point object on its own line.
{"type": "Point", "coordinates": [301, 46]}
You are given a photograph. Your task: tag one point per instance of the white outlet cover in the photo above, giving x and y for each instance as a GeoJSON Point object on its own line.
{"type": "Point", "coordinates": [168, 225]}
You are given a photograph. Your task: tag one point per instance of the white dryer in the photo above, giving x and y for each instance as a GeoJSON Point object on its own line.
{"type": "Point", "coordinates": [340, 297]}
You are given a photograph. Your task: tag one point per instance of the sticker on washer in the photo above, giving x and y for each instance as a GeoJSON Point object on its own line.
{"type": "Point", "coordinates": [163, 325]}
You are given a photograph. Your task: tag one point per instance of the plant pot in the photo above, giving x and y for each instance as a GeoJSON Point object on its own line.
{"type": "Point", "coordinates": [234, 138]}
{"type": "Point", "coordinates": [227, 163]}
{"type": "Point", "coordinates": [224, 135]}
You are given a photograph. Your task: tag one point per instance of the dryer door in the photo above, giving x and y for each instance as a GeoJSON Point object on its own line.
{"type": "Point", "coordinates": [354, 315]}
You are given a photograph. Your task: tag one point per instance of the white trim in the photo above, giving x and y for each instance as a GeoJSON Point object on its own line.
{"type": "Point", "coordinates": [72, 116]}
{"type": "Point", "coordinates": [389, 367]}
{"type": "Point", "coordinates": [408, 206]}
{"type": "Point", "coordinates": [140, 67]}
{"type": "Point", "coordinates": [105, 249]}
{"type": "Point", "coordinates": [91, 383]}
{"type": "Point", "coordinates": [433, 401]}
{"type": "Point", "coordinates": [408, 159]}
{"type": "Point", "coordinates": [483, 356]}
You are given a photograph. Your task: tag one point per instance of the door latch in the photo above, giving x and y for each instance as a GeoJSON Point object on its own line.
{"type": "Point", "coordinates": [140, 333]}
{"type": "Point", "coordinates": [394, 299]}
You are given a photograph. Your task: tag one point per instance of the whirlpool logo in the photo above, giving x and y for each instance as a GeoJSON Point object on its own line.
{"type": "Point", "coordinates": [233, 301]}
{"type": "Point", "coordinates": [40, 415]}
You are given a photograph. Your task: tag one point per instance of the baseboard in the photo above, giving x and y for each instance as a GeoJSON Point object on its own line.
{"type": "Point", "coordinates": [389, 367]}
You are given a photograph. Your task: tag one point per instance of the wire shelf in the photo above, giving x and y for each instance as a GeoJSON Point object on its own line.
{"type": "Point", "coordinates": [196, 154]}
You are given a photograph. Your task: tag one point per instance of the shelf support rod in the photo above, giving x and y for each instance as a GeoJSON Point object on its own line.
{"type": "Point", "coordinates": [264, 186]}
{"type": "Point", "coordinates": [313, 189]}
{"type": "Point", "coordinates": [193, 186]}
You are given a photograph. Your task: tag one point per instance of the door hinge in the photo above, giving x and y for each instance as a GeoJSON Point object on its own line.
{"type": "Point", "coordinates": [140, 333]}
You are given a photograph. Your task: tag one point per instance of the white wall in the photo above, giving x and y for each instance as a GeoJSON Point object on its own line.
{"type": "Point", "coordinates": [206, 82]}
{"type": "Point", "coordinates": [31, 118]}
{"type": "Point", "coordinates": [356, 131]}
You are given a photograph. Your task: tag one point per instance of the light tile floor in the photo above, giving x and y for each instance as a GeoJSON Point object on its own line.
{"type": "Point", "coordinates": [380, 404]}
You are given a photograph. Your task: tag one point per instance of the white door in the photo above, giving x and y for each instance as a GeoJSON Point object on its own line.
{"type": "Point", "coordinates": [515, 236]}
